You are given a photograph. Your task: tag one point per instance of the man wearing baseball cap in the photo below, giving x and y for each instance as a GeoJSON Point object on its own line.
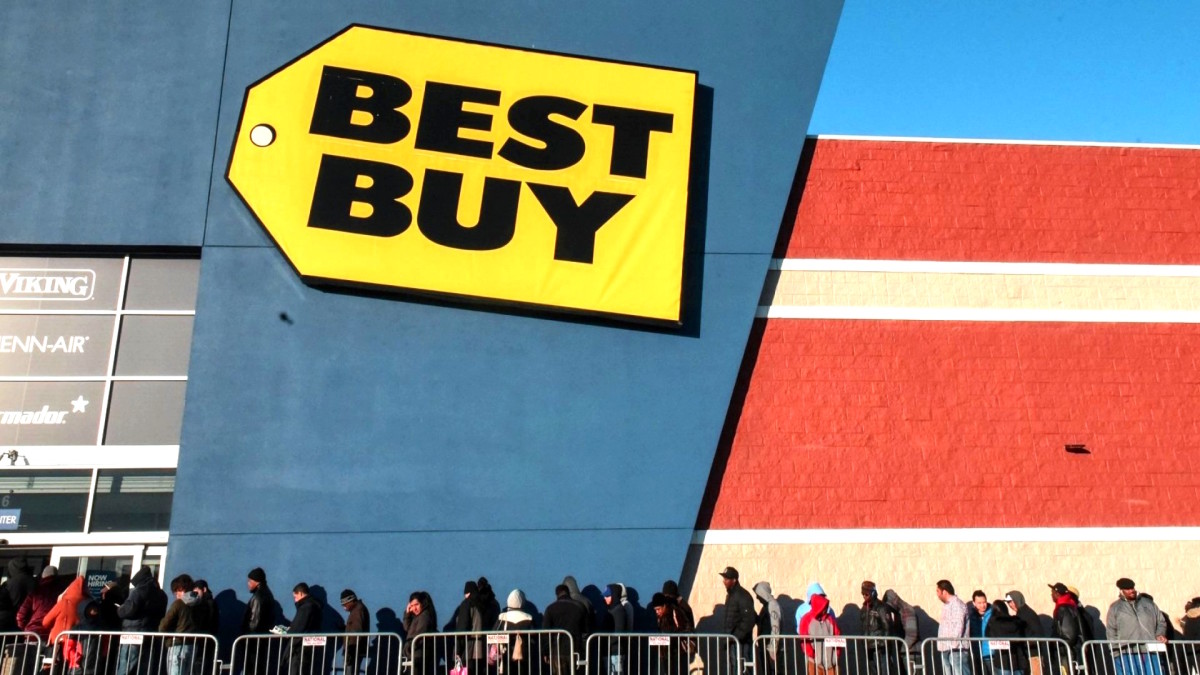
{"type": "Point", "coordinates": [739, 609]}
{"type": "Point", "coordinates": [1066, 623]}
{"type": "Point", "coordinates": [1135, 620]}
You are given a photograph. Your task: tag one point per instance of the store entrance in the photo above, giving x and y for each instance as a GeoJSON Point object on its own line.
{"type": "Point", "coordinates": [101, 564]}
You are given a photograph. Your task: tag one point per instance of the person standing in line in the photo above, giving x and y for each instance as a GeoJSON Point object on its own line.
{"type": "Point", "coordinates": [258, 619]}
{"type": "Point", "coordinates": [468, 618]}
{"type": "Point", "coordinates": [1003, 626]}
{"type": "Point", "coordinates": [420, 618]}
{"type": "Point", "coordinates": [978, 616]}
{"type": "Point", "coordinates": [307, 620]}
{"type": "Point", "coordinates": [358, 620]}
{"type": "Point", "coordinates": [565, 614]}
{"type": "Point", "coordinates": [515, 658]}
{"type": "Point", "coordinates": [878, 620]}
{"type": "Point", "coordinates": [141, 612]}
{"type": "Point", "coordinates": [739, 610]}
{"type": "Point", "coordinates": [1135, 620]}
{"type": "Point", "coordinates": [1039, 652]}
{"type": "Point", "coordinates": [670, 591]}
{"type": "Point", "coordinates": [614, 622]}
{"type": "Point", "coordinates": [769, 623]}
{"type": "Point", "coordinates": [672, 658]}
{"type": "Point", "coordinates": [952, 649]}
{"type": "Point", "coordinates": [187, 614]}
{"type": "Point", "coordinates": [906, 626]}
{"type": "Point", "coordinates": [818, 623]}
{"type": "Point", "coordinates": [1066, 624]}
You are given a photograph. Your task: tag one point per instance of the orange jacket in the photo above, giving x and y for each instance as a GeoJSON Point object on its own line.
{"type": "Point", "coordinates": [65, 613]}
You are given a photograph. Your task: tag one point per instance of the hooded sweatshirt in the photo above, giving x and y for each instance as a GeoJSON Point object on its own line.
{"type": "Point", "coordinates": [630, 619]}
{"type": "Point", "coordinates": [908, 618]}
{"type": "Point", "coordinates": [513, 616]}
{"type": "Point", "coordinates": [38, 603]}
{"type": "Point", "coordinates": [818, 622]}
{"type": "Point", "coordinates": [576, 596]}
{"type": "Point", "coordinates": [65, 613]}
{"type": "Point", "coordinates": [814, 588]}
{"type": "Point", "coordinates": [19, 585]}
{"type": "Point", "coordinates": [186, 615]}
{"type": "Point", "coordinates": [1033, 625]}
{"type": "Point", "coordinates": [616, 613]}
{"type": "Point", "coordinates": [146, 604]}
{"type": "Point", "coordinates": [769, 615]}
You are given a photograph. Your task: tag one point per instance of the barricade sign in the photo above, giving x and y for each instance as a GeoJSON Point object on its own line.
{"type": "Point", "coordinates": [317, 654]}
{"type": "Point", "coordinates": [1140, 657]}
{"type": "Point", "coordinates": [525, 652]}
{"type": "Point", "coordinates": [20, 653]}
{"type": "Point", "coordinates": [102, 652]}
{"type": "Point", "coordinates": [663, 654]}
{"type": "Point", "coordinates": [1006, 656]}
{"type": "Point", "coordinates": [830, 655]}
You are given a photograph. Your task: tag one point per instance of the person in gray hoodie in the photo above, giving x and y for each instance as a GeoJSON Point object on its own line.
{"type": "Point", "coordinates": [1033, 629]}
{"type": "Point", "coordinates": [768, 622]}
{"type": "Point", "coordinates": [582, 601]}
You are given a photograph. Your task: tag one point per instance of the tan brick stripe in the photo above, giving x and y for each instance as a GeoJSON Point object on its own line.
{"type": "Point", "coordinates": [936, 290]}
{"type": "Point", "coordinates": [1161, 568]}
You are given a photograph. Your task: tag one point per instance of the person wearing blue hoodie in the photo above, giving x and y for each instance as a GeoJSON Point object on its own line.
{"type": "Point", "coordinates": [814, 588]}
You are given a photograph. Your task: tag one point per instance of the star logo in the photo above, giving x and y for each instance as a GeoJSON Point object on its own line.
{"type": "Point", "coordinates": [79, 405]}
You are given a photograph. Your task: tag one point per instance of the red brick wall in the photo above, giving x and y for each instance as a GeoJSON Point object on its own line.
{"type": "Point", "coordinates": [996, 202]}
{"type": "Point", "coordinates": [851, 424]}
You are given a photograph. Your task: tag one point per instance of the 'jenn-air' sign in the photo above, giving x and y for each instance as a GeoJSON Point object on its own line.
{"type": "Point", "coordinates": [392, 160]}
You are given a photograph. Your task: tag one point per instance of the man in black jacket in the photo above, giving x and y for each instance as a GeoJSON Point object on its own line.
{"type": "Point", "coordinates": [739, 612]}
{"type": "Point", "coordinates": [259, 619]}
{"type": "Point", "coordinates": [141, 612]}
{"type": "Point", "coordinates": [568, 615]}
{"type": "Point", "coordinates": [307, 620]}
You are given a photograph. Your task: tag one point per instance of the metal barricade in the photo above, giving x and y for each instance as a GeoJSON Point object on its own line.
{"type": "Point", "coordinates": [997, 656]}
{"type": "Point", "coordinates": [119, 653]}
{"type": "Point", "coordinates": [20, 653]}
{"type": "Point", "coordinates": [663, 654]}
{"type": "Point", "coordinates": [1137, 657]}
{"type": "Point", "coordinates": [831, 655]}
{"type": "Point", "coordinates": [522, 652]}
{"type": "Point", "coordinates": [317, 654]}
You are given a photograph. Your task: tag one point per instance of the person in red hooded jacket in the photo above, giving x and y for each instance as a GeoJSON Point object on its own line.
{"type": "Point", "coordinates": [65, 613]}
{"type": "Point", "coordinates": [819, 623]}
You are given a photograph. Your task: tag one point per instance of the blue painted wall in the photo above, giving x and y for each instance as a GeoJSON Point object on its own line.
{"type": "Point", "coordinates": [390, 445]}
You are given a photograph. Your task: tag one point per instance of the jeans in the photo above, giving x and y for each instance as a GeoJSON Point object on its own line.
{"type": "Point", "coordinates": [956, 662]}
{"type": "Point", "coordinates": [179, 659]}
{"type": "Point", "coordinates": [129, 659]}
{"type": "Point", "coordinates": [1138, 664]}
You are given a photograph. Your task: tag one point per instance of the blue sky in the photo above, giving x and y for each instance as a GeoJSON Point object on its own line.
{"type": "Point", "coordinates": [1072, 71]}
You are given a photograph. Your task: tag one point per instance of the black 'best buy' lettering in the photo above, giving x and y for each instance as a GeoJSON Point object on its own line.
{"type": "Point", "coordinates": [442, 116]}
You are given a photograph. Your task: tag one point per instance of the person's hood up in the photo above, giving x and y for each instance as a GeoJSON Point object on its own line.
{"type": "Point", "coordinates": [763, 590]}
{"type": "Point", "coordinates": [815, 588]}
{"type": "Point", "coordinates": [75, 591]}
{"type": "Point", "coordinates": [573, 586]}
{"type": "Point", "coordinates": [820, 604]}
{"type": "Point", "coordinates": [192, 597]}
{"type": "Point", "coordinates": [624, 594]}
{"type": "Point", "coordinates": [892, 598]}
{"type": "Point", "coordinates": [1018, 598]}
{"type": "Point", "coordinates": [87, 622]}
{"type": "Point", "coordinates": [19, 567]}
{"type": "Point", "coordinates": [516, 599]}
{"type": "Point", "coordinates": [144, 577]}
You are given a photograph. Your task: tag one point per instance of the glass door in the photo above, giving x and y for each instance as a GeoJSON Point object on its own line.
{"type": "Point", "coordinates": [97, 564]}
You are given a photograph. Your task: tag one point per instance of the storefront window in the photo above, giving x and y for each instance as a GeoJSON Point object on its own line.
{"type": "Point", "coordinates": [133, 500]}
{"type": "Point", "coordinates": [44, 500]}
